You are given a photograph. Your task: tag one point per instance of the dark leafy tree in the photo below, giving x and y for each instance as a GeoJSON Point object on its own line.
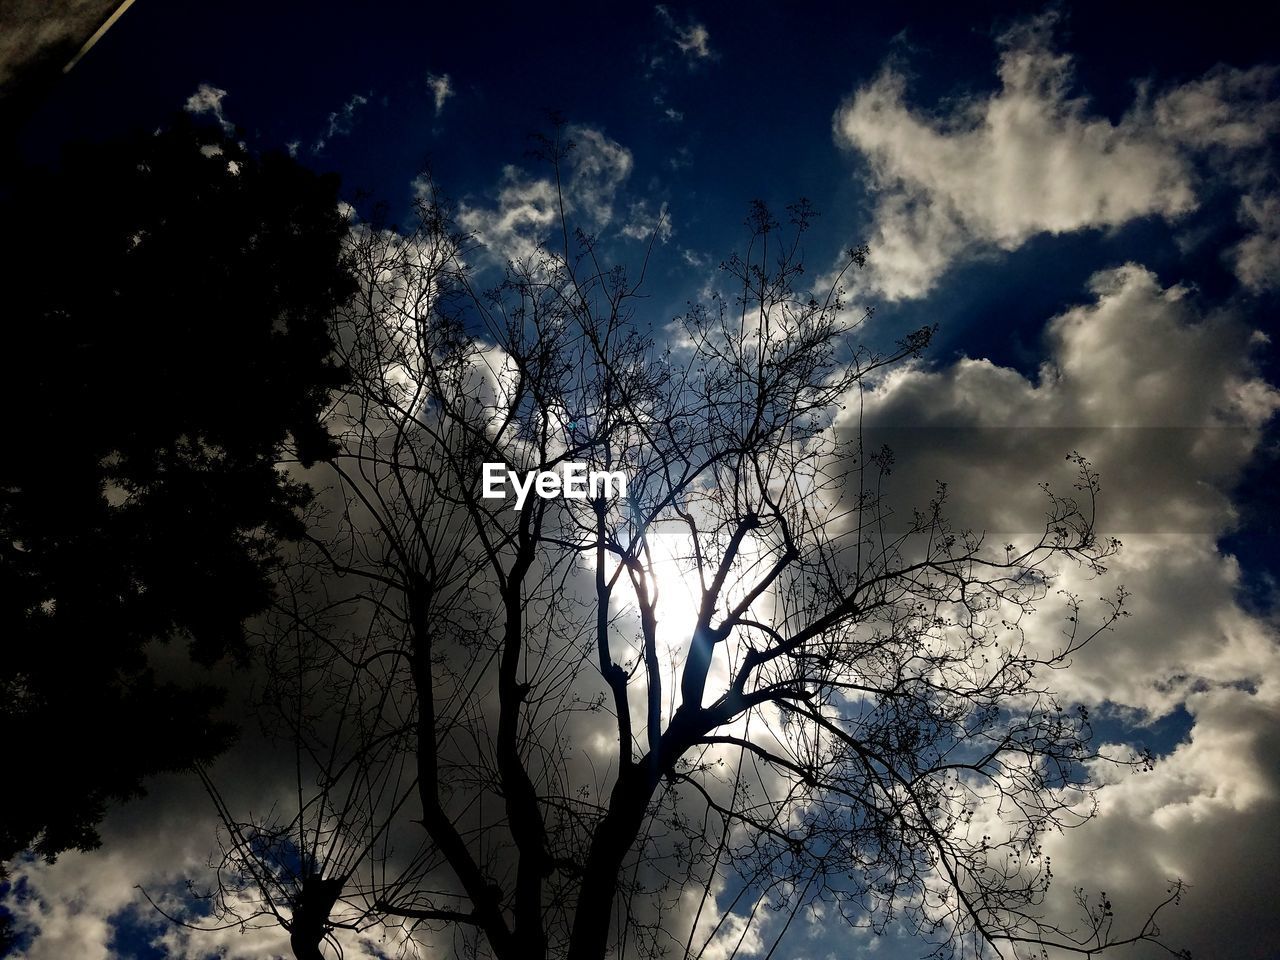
{"type": "Point", "coordinates": [166, 338]}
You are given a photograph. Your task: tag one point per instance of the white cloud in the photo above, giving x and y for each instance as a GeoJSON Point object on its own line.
{"type": "Point", "coordinates": [1256, 258]}
{"type": "Point", "coordinates": [995, 170]}
{"type": "Point", "coordinates": [208, 99]}
{"type": "Point", "coordinates": [154, 842]}
{"type": "Point", "coordinates": [1162, 395]}
{"type": "Point", "coordinates": [75, 906]}
{"type": "Point", "coordinates": [527, 207]}
{"type": "Point", "coordinates": [1205, 815]}
{"type": "Point", "coordinates": [692, 39]}
{"type": "Point", "coordinates": [441, 88]}
{"type": "Point", "coordinates": [1232, 117]}
{"type": "Point", "coordinates": [738, 936]}
{"type": "Point", "coordinates": [642, 223]}
{"type": "Point", "coordinates": [340, 121]}
{"type": "Point", "coordinates": [598, 167]}
{"type": "Point", "coordinates": [1229, 108]}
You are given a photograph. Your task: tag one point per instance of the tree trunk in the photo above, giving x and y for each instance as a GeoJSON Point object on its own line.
{"type": "Point", "coordinates": [609, 847]}
{"type": "Point", "coordinates": [311, 909]}
{"type": "Point", "coordinates": [305, 947]}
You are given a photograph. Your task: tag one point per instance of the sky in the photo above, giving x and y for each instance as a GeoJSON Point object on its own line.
{"type": "Point", "coordinates": [1084, 198]}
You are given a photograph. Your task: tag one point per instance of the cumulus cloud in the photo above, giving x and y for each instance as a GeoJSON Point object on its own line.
{"type": "Point", "coordinates": [1206, 814]}
{"type": "Point", "coordinates": [1163, 395]}
{"type": "Point", "coordinates": [1160, 392]}
{"type": "Point", "coordinates": [1029, 158]}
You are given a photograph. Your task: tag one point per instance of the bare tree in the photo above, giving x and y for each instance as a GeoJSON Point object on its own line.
{"type": "Point", "coordinates": [552, 728]}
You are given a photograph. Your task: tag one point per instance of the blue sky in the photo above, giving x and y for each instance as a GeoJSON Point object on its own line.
{"type": "Point", "coordinates": [1084, 198]}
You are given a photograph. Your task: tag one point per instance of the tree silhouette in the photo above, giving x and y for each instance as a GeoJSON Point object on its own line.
{"type": "Point", "coordinates": [168, 300]}
{"type": "Point", "coordinates": [512, 735]}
